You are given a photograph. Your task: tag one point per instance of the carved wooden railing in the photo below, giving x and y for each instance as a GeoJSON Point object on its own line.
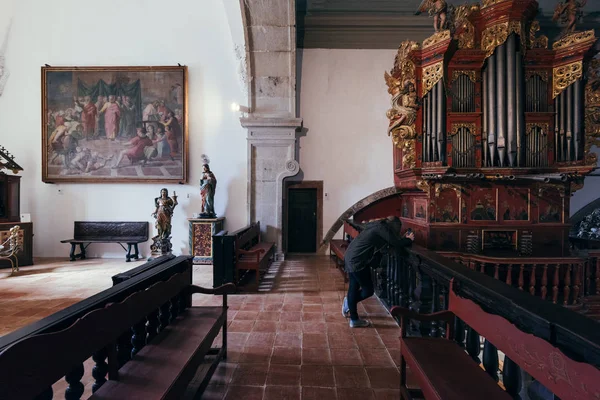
{"type": "Point", "coordinates": [132, 340]}
{"type": "Point", "coordinates": [421, 282]}
{"type": "Point", "coordinates": [559, 280]}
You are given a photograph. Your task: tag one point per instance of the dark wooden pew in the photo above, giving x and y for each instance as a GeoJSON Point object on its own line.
{"type": "Point", "coordinates": [63, 319]}
{"type": "Point", "coordinates": [251, 254]}
{"type": "Point", "coordinates": [444, 370]}
{"type": "Point", "coordinates": [165, 355]}
{"type": "Point", "coordinates": [87, 232]}
{"type": "Point", "coordinates": [240, 250]}
{"type": "Point", "coordinates": [147, 266]}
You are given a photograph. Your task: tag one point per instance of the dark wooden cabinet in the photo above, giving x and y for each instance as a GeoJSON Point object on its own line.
{"type": "Point", "coordinates": [25, 256]}
{"type": "Point", "coordinates": [10, 199]}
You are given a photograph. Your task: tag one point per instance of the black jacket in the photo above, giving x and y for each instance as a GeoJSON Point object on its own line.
{"type": "Point", "coordinates": [372, 239]}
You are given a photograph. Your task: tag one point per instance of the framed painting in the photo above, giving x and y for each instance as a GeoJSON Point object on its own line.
{"type": "Point", "coordinates": [114, 124]}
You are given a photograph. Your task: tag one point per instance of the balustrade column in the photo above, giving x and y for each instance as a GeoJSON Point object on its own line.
{"type": "Point", "coordinates": [567, 285]}
{"type": "Point", "coordinates": [75, 389]}
{"type": "Point", "coordinates": [100, 369]}
{"type": "Point", "coordinates": [511, 377]}
{"type": "Point", "coordinates": [532, 281]}
{"type": "Point", "coordinates": [544, 288]}
{"type": "Point", "coordinates": [433, 327]}
{"type": "Point", "coordinates": [490, 360]}
{"type": "Point", "coordinates": [496, 271]}
{"type": "Point", "coordinates": [521, 276]}
{"type": "Point", "coordinates": [577, 283]}
{"type": "Point", "coordinates": [473, 345]}
{"type": "Point", "coordinates": [509, 275]}
{"type": "Point", "coordinates": [138, 337]}
{"type": "Point", "coordinates": [152, 326]}
{"type": "Point", "coordinates": [555, 284]}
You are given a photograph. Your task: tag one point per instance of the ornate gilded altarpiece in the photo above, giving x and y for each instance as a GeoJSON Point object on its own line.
{"type": "Point", "coordinates": [492, 128]}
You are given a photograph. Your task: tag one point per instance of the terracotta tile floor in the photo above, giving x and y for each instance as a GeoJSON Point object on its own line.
{"type": "Point", "coordinates": [289, 341]}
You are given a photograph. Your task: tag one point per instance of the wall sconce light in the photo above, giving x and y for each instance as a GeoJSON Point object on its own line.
{"type": "Point", "coordinates": [236, 107]}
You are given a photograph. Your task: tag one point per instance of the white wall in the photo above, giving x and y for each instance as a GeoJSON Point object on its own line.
{"type": "Point", "coordinates": [125, 33]}
{"type": "Point", "coordinates": [343, 101]}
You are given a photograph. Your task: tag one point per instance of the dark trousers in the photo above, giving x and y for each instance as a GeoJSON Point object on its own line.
{"type": "Point", "coordinates": [360, 288]}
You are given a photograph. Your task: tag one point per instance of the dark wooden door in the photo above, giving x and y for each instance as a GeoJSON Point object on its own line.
{"type": "Point", "coordinates": [302, 220]}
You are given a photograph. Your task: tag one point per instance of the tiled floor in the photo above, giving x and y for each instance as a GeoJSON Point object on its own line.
{"type": "Point", "coordinates": [289, 341]}
{"type": "Point", "coordinates": [293, 343]}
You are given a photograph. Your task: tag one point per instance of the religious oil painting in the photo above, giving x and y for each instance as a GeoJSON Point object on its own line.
{"type": "Point", "coordinates": [114, 124]}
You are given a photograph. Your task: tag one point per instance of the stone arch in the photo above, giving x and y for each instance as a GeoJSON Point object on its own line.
{"type": "Point", "coordinates": [356, 207]}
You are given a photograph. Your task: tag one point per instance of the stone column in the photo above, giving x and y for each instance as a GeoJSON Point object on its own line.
{"type": "Point", "coordinates": [272, 123]}
{"type": "Point", "coordinates": [271, 159]}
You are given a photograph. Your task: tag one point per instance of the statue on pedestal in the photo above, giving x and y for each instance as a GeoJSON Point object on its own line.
{"type": "Point", "coordinates": [208, 186]}
{"type": "Point", "coordinates": [163, 213]}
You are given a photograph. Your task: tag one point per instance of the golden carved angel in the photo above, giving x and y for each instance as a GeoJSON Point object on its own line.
{"type": "Point", "coordinates": [437, 8]}
{"type": "Point", "coordinates": [568, 13]}
{"type": "Point", "coordinates": [404, 103]}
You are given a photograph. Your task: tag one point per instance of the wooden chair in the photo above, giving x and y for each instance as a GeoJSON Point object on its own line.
{"type": "Point", "coordinates": [11, 246]}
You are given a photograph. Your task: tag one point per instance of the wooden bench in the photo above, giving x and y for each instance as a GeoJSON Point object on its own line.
{"type": "Point", "coordinates": [178, 350]}
{"type": "Point", "coordinates": [337, 247]}
{"type": "Point", "coordinates": [251, 254]}
{"type": "Point", "coordinates": [443, 370]}
{"type": "Point", "coordinates": [87, 232]}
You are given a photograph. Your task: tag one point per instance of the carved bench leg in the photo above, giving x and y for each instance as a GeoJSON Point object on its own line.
{"type": "Point", "coordinates": [72, 254]}
{"type": "Point", "coordinates": [137, 251]}
{"type": "Point", "coordinates": [128, 255]}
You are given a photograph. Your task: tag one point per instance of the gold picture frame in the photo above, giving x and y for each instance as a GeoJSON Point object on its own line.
{"type": "Point", "coordinates": [114, 124]}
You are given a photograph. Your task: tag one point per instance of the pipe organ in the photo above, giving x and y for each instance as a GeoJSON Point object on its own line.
{"type": "Point", "coordinates": [492, 130]}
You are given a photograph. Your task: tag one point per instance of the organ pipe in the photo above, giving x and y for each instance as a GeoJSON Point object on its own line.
{"type": "Point", "coordinates": [511, 114]}
{"type": "Point", "coordinates": [485, 120]}
{"type": "Point", "coordinates": [491, 103]}
{"type": "Point", "coordinates": [577, 120]}
{"type": "Point", "coordinates": [441, 128]}
{"type": "Point", "coordinates": [429, 126]}
{"type": "Point", "coordinates": [425, 129]}
{"type": "Point", "coordinates": [556, 129]}
{"type": "Point", "coordinates": [563, 126]}
{"type": "Point", "coordinates": [501, 100]}
{"type": "Point", "coordinates": [520, 108]}
{"type": "Point", "coordinates": [434, 128]}
{"type": "Point", "coordinates": [569, 128]}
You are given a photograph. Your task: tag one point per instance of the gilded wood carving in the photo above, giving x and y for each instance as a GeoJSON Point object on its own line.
{"type": "Point", "coordinates": [565, 75]}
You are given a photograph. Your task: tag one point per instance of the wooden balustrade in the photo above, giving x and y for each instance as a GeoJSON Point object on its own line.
{"type": "Point", "coordinates": [532, 274]}
{"type": "Point", "coordinates": [131, 341]}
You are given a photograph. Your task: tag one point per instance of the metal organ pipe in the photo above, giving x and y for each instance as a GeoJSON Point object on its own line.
{"type": "Point", "coordinates": [501, 100]}
{"type": "Point", "coordinates": [441, 126]}
{"type": "Point", "coordinates": [520, 107]}
{"type": "Point", "coordinates": [563, 126]}
{"type": "Point", "coordinates": [577, 98]}
{"type": "Point", "coordinates": [569, 128]}
{"type": "Point", "coordinates": [425, 129]}
{"type": "Point", "coordinates": [434, 129]}
{"type": "Point", "coordinates": [485, 119]}
{"type": "Point", "coordinates": [491, 104]}
{"type": "Point", "coordinates": [511, 100]}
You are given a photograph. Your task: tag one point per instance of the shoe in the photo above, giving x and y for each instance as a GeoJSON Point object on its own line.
{"type": "Point", "coordinates": [359, 323]}
{"type": "Point", "coordinates": [345, 309]}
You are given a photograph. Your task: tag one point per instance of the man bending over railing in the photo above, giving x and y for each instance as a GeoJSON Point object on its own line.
{"type": "Point", "coordinates": [362, 255]}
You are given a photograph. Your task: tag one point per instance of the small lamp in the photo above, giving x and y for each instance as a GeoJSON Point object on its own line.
{"type": "Point", "coordinates": [236, 107]}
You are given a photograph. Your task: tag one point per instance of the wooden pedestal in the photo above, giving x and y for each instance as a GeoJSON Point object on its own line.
{"type": "Point", "coordinates": [25, 256]}
{"type": "Point", "coordinates": [201, 233]}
